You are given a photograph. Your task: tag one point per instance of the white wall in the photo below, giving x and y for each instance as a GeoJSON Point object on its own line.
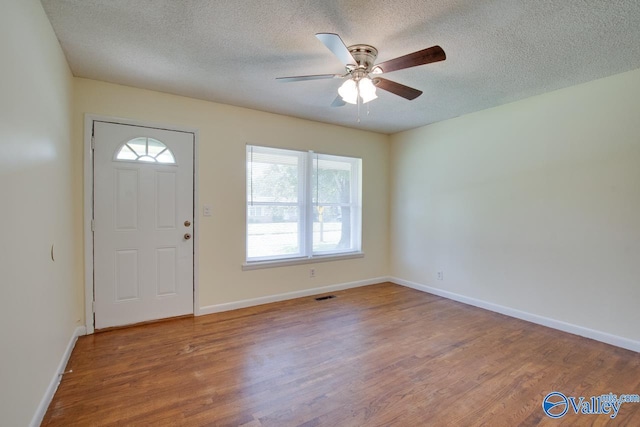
{"type": "Point", "coordinates": [533, 205]}
{"type": "Point", "coordinates": [39, 306]}
{"type": "Point", "coordinates": [223, 133]}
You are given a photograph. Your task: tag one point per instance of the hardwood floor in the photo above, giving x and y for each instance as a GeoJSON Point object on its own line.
{"type": "Point", "coordinates": [379, 355]}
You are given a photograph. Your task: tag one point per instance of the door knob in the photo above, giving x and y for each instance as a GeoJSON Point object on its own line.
{"type": "Point", "coordinates": [187, 236]}
{"type": "Point", "coordinates": [187, 223]}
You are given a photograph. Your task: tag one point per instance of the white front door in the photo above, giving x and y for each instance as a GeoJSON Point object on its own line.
{"type": "Point", "coordinates": [143, 224]}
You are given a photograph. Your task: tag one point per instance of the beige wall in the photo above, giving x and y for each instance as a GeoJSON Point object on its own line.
{"type": "Point", "coordinates": [533, 205]}
{"type": "Point", "coordinates": [39, 307]}
{"type": "Point", "coordinates": [223, 133]}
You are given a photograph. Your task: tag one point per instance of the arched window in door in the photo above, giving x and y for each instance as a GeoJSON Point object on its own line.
{"type": "Point", "coordinates": [144, 149]}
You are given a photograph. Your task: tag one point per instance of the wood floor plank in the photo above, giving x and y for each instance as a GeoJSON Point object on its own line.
{"type": "Point", "coordinates": [378, 355]}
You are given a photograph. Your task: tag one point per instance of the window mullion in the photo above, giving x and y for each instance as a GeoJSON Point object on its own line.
{"type": "Point", "coordinates": [354, 200]}
{"type": "Point", "coordinates": [308, 205]}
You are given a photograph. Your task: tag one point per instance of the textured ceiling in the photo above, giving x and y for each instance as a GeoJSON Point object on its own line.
{"type": "Point", "coordinates": [230, 52]}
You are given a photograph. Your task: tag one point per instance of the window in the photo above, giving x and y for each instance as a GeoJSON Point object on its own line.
{"type": "Point", "coordinates": [301, 205]}
{"type": "Point", "coordinates": [144, 149]}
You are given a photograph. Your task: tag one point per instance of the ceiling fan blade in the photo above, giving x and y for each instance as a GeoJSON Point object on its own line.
{"type": "Point", "coordinates": [334, 43]}
{"type": "Point", "coordinates": [338, 102]}
{"type": "Point", "coordinates": [312, 77]}
{"type": "Point", "coordinates": [397, 88]}
{"type": "Point", "coordinates": [421, 57]}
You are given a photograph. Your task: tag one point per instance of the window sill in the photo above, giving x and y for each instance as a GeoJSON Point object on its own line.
{"type": "Point", "coordinates": [256, 265]}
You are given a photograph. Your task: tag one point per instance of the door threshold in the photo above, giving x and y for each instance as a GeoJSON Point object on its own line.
{"type": "Point", "coordinates": [147, 322]}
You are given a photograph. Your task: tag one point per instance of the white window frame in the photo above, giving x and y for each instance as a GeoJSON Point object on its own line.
{"type": "Point", "coordinates": [306, 205]}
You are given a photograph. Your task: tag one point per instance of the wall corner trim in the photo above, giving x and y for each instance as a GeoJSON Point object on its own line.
{"type": "Point", "coordinates": [217, 308]}
{"type": "Point", "coordinates": [57, 376]}
{"type": "Point", "coordinates": [523, 315]}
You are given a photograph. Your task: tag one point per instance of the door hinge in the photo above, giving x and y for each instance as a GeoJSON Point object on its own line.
{"type": "Point", "coordinates": [93, 225]}
{"type": "Point", "coordinates": [93, 142]}
{"type": "Point", "coordinates": [93, 306]}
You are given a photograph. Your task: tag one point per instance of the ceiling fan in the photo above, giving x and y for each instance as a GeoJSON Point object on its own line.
{"type": "Point", "coordinates": [362, 72]}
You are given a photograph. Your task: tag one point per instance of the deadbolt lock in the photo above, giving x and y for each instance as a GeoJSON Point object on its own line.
{"type": "Point", "coordinates": [187, 236]}
{"type": "Point", "coordinates": [187, 223]}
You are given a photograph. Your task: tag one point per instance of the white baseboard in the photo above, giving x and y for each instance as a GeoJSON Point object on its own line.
{"type": "Point", "coordinates": [286, 296]}
{"type": "Point", "coordinates": [533, 318]}
{"type": "Point", "coordinates": [55, 381]}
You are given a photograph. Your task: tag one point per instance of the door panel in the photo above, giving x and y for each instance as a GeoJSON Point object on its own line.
{"type": "Point", "coordinates": [166, 262]}
{"type": "Point", "coordinates": [143, 264]}
{"type": "Point", "coordinates": [126, 200]}
{"type": "Point", "coordinates": [127, 283]}
{"type": "Point", "coordinates": [165, 200]}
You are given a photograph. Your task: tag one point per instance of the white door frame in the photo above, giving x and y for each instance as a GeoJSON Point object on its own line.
{"type": "Point", "coordinates": [88, 207]}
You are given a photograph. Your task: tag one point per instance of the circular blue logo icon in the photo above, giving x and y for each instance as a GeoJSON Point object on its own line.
{"type": "Point", "coordinates": [555, 404]}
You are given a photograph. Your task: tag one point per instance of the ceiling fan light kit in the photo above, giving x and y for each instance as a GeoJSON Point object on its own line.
{"type": "Point", "coordinates": [367, 90]}
{"type": "Point", "coordinates": [361, 71]}
{"type": "Point", "coordinates": [349, 91]}
{"type": "Point", "coordinates": [353, 89]}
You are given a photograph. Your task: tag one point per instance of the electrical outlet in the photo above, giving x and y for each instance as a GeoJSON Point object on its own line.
{"type": "Point", "coordinates": [440, 275]}
{"type": "Point", "coordinates": [312, 272]}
